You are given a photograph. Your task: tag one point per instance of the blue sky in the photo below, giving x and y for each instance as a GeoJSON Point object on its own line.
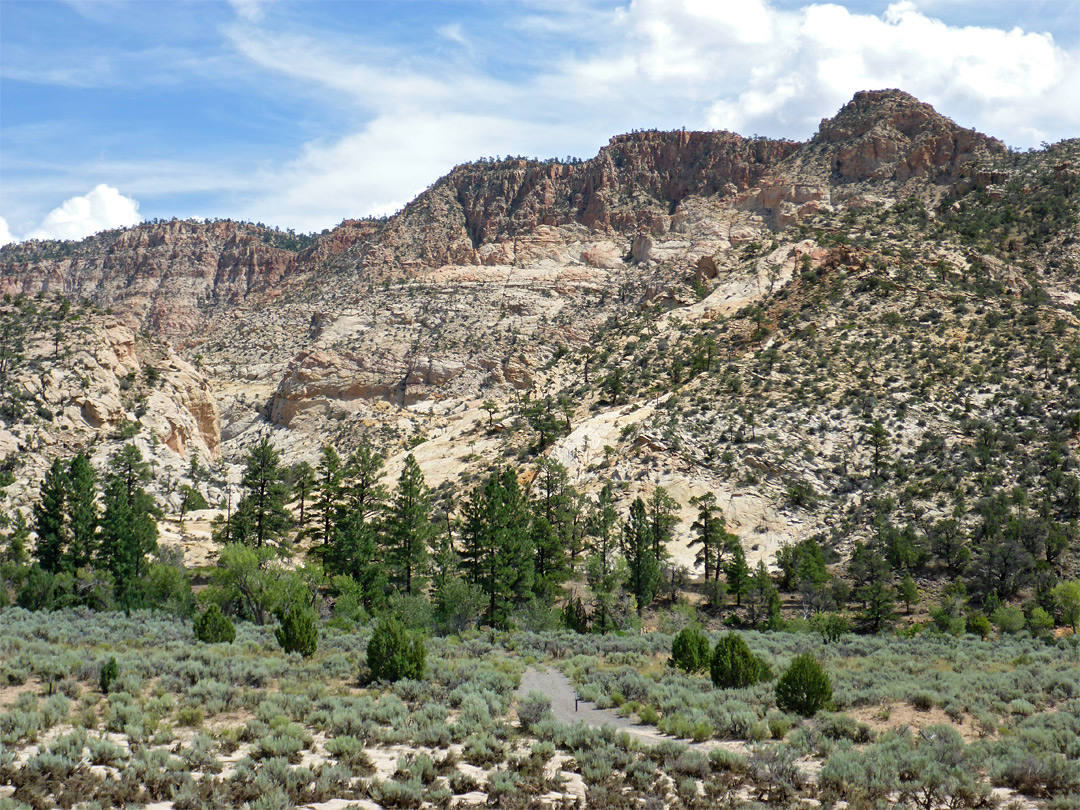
{"type": "Point", "coordinates": [303, 114]}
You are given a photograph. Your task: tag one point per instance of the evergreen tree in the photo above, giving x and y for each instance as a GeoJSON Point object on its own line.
{"type": "Point", "coordinates": [663, 518]}
{"type": "Point", "coordinates": [50, 519]}
{"type": "Point", "coordinates": [878, 437]}
{"type": "Point", "coordinates": [327, 507]}
{"type": "Point", "coordinates": [355, 552]}
{"type": "Point", "coordinates": [603, 568]}
{"type": "Point", "coordinates": [737, 571]}
{"type": "Point", "coordinates": [83, 515]}
{"type": "Point", "coordinates": [409, 529]}
{"type": "Point", "coordinates": [553, 526]}
{"type": "Point", "coordinates": [129, 524]}
{"type": "Point", "coordinates": [762, 598]}
{"type": "Point", "coordinates": [498, 554]}
{"type": "Point", "coordinates": [709, 534]}
{"type": "Point", "coordinates": [870, 573]}
{"type": "Point", "coordinates": [909, 593]}
{"type": "Point", "coordinates": [302, 479]}
{"type": "Point", "coordinates": [638, 546]}
{"type": "Point", "coordinates": [15, 549]}
{"type": "Point", "coordinates": [261, 515]}
{"type": "Point", "coordinates": [362, 475]}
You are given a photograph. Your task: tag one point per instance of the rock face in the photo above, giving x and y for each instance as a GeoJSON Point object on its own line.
{"type": "Point", "coordinates": [890, 135]}
{"type": "Point", "coordinates": [94, 382]}
{"type": "Point", "coordinates": [165, 277]}
{"type": "Point", "coordinates": [635, 182]}
{"type": "Point", "coordinates": [175, 278]}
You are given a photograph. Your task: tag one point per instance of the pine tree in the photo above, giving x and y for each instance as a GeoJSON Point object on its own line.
{"type": "Point", "coordinates": [498, 553]}
{"type": "Point", "coordinates": [50, 519]}
{"type": "Point", "coordinates": [737, 572]}
{"type": "Point", "coordinates": [83, 515]}
{"type": "Point", "coordinates": [638, 546]}
{"type": "Point", "coordinates": [879, 443]}
{"type": "Point", "coordinates": [362, 475]}
{"type": "Point", "coordinates": [762, 597]}
{"type": "Point", "coordinates": [15, 550]}
{"type": "Point", "coordinates": [710, 531]}
{"type": "Point", "coordinates": [553, 526]}
{"type": "Point", "coordinates": [327, 507]}
{"type": "Point", "coordinates": [354, 552]}
{"type": "Point", "coordinates": [663, 518]}
{"type": "Point", "coordinates": [129, 523]}
{"type": "Point", "coordinates": [602, 565]}
{"type": "Point", "coordinates": [261, 515]}
{"type": "Point", "coordinates": [302, 478]}
{"type": "Point", "coordinates": [409, 527]}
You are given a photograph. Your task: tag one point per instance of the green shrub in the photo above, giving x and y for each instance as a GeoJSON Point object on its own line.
{"type": "Point", "coordinates": [533, 708]}
{"type": "Point", "coordinates": [978, 625]}
{"type": "Point", "coordinates": [690, 650]}
{"type": "Point", "coordinates": [298, 631]}
{"type": "Point", "coordinates": [648, 715]}
{"type": "Point", "coordinates": [213, 627]}
{"type": "Point", "coordinates": [393, 653]}
{"type": "Point", "coordinates": [1009, 619]}
{"type": "Point", "coordinates": [804, 687]}
{"type": "Point", "coordinates": [734, 666]}
{"type": "Point", "coordinates": [191, 716]}
{"type": "Point", "coordinates": [110, 671]}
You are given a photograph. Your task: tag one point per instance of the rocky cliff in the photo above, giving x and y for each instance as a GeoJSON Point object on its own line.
{"type": "Point", "coordinates": [169, 277]}
{"type": "Point", "coordinates": [164, 277]}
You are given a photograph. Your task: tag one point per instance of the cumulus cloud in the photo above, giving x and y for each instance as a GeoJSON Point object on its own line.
{"type": "Point", "coordinates": [5, 233]}
{"type": "Point", "coordinates": [102, 208]}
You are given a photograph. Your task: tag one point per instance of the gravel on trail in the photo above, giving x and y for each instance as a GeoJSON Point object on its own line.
{"type": "Point", "coordinates": [563, 696]}
{"type": "Point", "coordinates": [559, 688]}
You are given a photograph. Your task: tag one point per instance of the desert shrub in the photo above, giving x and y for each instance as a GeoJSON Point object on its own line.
{"type": "Point", "coordinates": [407, 794]}
{"type": "Point", "coordinates": [190, 716]}
{"type": "Point", "coordinates": [298, 631]}
{"type": "Point", "coordinates": [463, 783]}
{"type": "Point", "coordinates": [648, 715]}
{"type": "Point", "coordinates": [831, 626]}
{"type": "Point", "coordinates": [722, 759]}
{"type": "Point", "coordinates": [393, 653]}
{"type": "Point", "coordinates": [734, 666]}
{"type": "Point", "coordinates": [1035, 774]}
{"type": "Point", "coordinates": [690, 650]}
{"type": "Point", "coordinates": [105, 752]}
{"type": "Point", "coordinates": [922, 701]}
{"type": "Point", "coordinates": [110, 671]}
{"type": "Point", "coordinates": [533, 708]}
{"type": "Point", "coordinates": [1008, 619]}
{"type": "Point", "coordinates": [804, 687]}
{"type": "Point", "coordinates": [214, 627]}
{"type": "Point", "coordinates": [844, 727]}
{"type": "Point", "coordinates": [483, 749]}
{"type": "Point", "coordinates": [350, 750]}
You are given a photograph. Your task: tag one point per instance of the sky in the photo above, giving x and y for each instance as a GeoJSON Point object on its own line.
{"type": "Point", "coordinates": [302, 114]}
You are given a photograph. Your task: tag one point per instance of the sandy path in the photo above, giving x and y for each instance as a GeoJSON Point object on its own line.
{"type": "Point", "coordinates": [560, 689]}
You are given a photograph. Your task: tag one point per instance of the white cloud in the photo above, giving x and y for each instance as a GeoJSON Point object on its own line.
{"type": "Point", "coordinates": [102, 208]}
{"type": "Point", "coordinates": [753, 68]}
{"type": "Point", "coordinates": [5, 233]}
{"type": "Point", "coordinates": [455, 33]}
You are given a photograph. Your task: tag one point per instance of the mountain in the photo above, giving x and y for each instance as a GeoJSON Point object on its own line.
{"type": "Point", "coordinates": [705, 311]}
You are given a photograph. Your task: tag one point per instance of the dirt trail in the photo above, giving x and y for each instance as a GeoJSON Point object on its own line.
{"type": "Point", "coordinates": [563, 696]}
